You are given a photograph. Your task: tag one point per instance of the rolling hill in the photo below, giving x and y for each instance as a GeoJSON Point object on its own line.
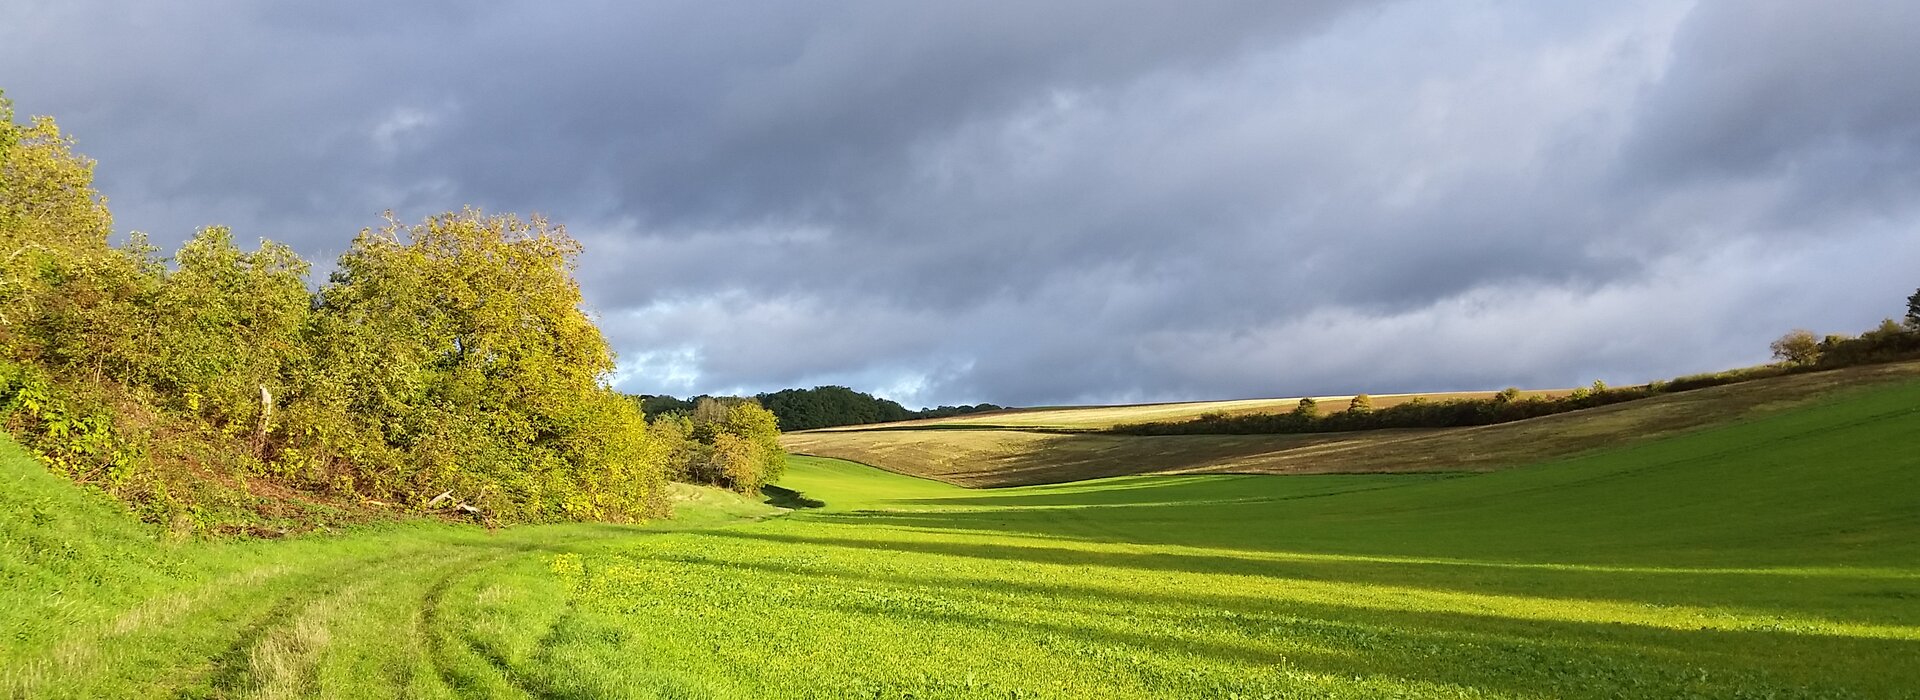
{"type": "Point", "coordinates": [1042, 446]}
{"type": "Point", "coordinates": [1776, 554]}
{"type": "Point", "coordinates": [1083, 418]}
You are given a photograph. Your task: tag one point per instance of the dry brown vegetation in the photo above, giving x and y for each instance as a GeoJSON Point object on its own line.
{"type": "Point", "coordinates": [1070, 418]}
{"type": "Point", "coordinates": [1015, 448]}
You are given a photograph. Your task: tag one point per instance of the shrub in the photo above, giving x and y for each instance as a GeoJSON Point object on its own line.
{"type": "Point", "coordinates": [1797, 347]}
{"type": "Point", "coordinates": [460, 343]}
{"type": "Point", "coordinates": [1307, 408]}
{"type": "Point", "coordinates": [1890, 341]}
{"type": "Point", "coordinates": [446, 355]}
{"type": "Point", "coordinates": [731, 444]}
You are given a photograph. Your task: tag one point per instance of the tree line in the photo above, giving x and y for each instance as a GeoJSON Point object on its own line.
{"type": "Point", "coordinates": [449, 356]}
{"type": "Point", "coordinates": [1888, 342]}
{"type": "Point", "coordinates": [1797, 351]}
{"type": "Point", "coordinates": [819, 407]}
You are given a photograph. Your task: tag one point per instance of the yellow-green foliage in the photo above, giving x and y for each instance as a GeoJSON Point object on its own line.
{"type": "Point", "coordinates": [232, 324]}
{"type": "Point", "coordinates": [75, 439]}
{"type": "Point", "coordinates": [67, 298]}
{"type": "Point", "coordinates": [449, 355]}
{"type": "Point", "coordinates": [734, 444]}
{"type": "Point", "coordinates": [459, 343]}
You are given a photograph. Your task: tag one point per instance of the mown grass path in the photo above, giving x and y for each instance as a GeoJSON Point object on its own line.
{"type": "Point", "coordinates": [1774, 557]}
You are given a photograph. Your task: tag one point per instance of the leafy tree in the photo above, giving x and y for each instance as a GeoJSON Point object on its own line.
{"type": "Point", "coordinates": [1913, 310]}
{"type": "Point", "coordinates": [1360, 404]}
{"type": "Point", "coordinates": [1887, 330]}
{"type": "Point", "coordinates": [733, 444]}
{"type": "Point", "coordinates": [658, 405]}
{"type": "Point", "coordinates": [446, 355]}
{"type": "Point", "coordinates": [1890, 341]}
{"type": "Point", "coordinates": [232, 327]}
{"type": "Point", "coordinates": [69, 301]}
{"type": "Point", "coordinates": [828, 406]}
{"type": "Point", "coordinates": [1797, 347]}
{"type": "Point", "coordinates": [712, 413]}
{"type": "Point", "coordinates": [760, 430]}
{"type": "Point", "coordinates": [960, 410]}
{"type": "Point", "coordinates": [71, 308]}
{"type": "Point", "coordinates": [731, 463]}
{"type": "Point", "coordinates": [671, 440]}
{"type": "Point", "coordinates": [461, 343]}
{"type": "Point", "coordinates": [1307, 409]}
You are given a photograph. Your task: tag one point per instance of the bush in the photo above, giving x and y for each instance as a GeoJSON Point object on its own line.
{"type": "Point", "coordinates": [460, 344]}
{"type": "Point", "coordinates": [1797, 347]}
{"type": "Point", "coordinates": [446, 355]}
{"type": "Point", "coordinates": [730, 444]}
{"type": "Point", "coordinates": [1307, 408]}
{"type": "Point", "coordinates": [1888, 342]}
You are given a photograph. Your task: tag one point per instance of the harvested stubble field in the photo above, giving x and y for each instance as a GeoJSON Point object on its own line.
{"type": "Point", "coordinates": [1043, 450]}
{"type": "Point", "coordinates": [1081, 418]}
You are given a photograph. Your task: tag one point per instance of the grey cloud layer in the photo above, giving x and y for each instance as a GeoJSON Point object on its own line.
{"type": "Point", "coordinates": [1032, 203]}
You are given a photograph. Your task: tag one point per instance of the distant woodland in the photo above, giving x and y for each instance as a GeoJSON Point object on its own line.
{"type": "Point", "coordinates": [819, 407]}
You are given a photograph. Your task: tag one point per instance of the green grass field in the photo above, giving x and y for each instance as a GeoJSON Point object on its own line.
{"type": "Point", "coordinates": [1774, 556]}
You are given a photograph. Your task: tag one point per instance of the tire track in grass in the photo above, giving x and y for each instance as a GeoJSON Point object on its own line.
{"type": "Point", "coordinates": [232, 670]}
{"type": "Point", "coordinates": [517, 677]}
{"type": "Point", "coordinates": [65, 659]}
{"type": "Point", "coordinates": [443, 645]}
{"type": "Point", "coordinates": [235, 670]}
{"type": "Point", "coordinates": [513, 677]}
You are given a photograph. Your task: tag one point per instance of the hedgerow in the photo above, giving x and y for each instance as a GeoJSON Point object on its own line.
{"type": "Point", "coordinates": [450, 356]}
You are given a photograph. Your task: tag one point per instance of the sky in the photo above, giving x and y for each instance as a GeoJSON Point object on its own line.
{"type": "Point", "coordinates": [1077, 201]}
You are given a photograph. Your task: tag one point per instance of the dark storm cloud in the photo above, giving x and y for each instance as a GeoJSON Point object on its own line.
{"type": "Point", "coordinates": [1761, 86]}
{"type": "Point", "coordinates": [1046, 202]}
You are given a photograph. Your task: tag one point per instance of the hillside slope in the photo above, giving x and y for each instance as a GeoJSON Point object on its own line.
{"type": "Point", "coordinates": [1076, 418]}
{"type": "Point", "coordinates": [977, 456]}
{"type": "Point", "coordinates": [95, 603]}
{"type": "Point", "coordinates": [1770, 557]}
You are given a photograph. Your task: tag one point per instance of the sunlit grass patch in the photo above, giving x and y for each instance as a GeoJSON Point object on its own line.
{"type": "Point", "coordinates": [1771, 557]}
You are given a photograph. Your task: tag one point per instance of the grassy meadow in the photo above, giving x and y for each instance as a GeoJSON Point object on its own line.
{"type": "Point", "coordinates": [982, 454]}
{"type": "Point", "coordinates": [1773, 556]}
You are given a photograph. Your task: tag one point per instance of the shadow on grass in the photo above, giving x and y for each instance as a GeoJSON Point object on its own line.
{"type": "Point", "coordinates": [789, 498]}
{"type": "Point", "coordinates": [1179, 491]}
{"type": "Point", "coordinates": [1860, 598]}
{"type": "Point", "coordinates": [1483, 649]}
